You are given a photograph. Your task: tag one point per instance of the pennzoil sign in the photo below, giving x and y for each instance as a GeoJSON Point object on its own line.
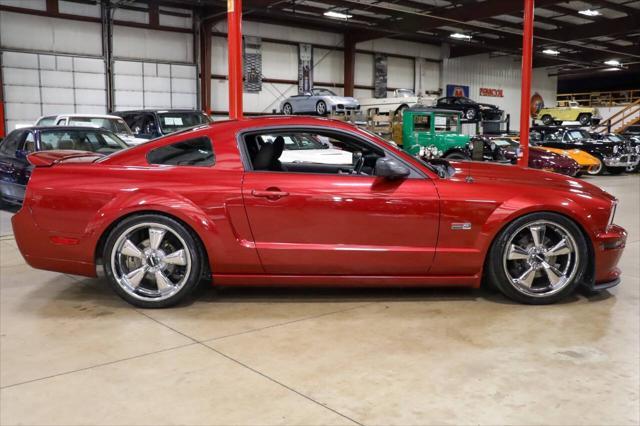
{"type": "Point", "coordinates": [495, 93]}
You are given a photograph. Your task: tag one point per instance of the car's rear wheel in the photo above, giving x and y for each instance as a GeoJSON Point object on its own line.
{"type": "Point", "coordinates": [584, 119]}
{"type": "Point", "coordinates": [321, 108]}
{"type": "Point", "coordinates": [539, 258]}
{"type": "Point", "coordinates": [152, 261]}
{"type": "Point", "coordinates": [547, 120]}
{"type": "Point", "coordinates": [287, 109]}
{"type": "Point", "coordinates": [470, 114]}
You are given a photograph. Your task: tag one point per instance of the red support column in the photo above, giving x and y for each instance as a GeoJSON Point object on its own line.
{"type": "Point", "coordinates": [525, 92]}
{"type": "Point", "coordinates": [234, 24]}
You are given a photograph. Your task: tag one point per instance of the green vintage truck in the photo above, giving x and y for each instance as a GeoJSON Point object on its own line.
{"type": "Point", "coordinates": [437, 133]}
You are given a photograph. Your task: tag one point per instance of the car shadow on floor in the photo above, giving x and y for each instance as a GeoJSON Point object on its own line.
{"type": "Point", "coordinates": [89, 294]}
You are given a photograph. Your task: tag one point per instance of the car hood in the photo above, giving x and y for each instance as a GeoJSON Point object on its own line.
{"type": "Point", "coordinates": [132, 140]}
{"type": "Point", "coordinates": [524, 178]}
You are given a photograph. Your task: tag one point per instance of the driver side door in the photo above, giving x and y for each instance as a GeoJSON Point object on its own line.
{"type": "Point", "coordinates": [325, 221]}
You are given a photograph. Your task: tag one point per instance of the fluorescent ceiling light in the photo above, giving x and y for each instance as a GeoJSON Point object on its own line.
{"type": "Point", "coordinates": [460, 36]}
{"type": "Point", "coordinates": [589, 12]}
{"type": "Point", "coordinates": [551, 52]}
{"type": "Point", "coordinates": [612, 62]}
{"type": "Point", "coordinates": [337, 15]}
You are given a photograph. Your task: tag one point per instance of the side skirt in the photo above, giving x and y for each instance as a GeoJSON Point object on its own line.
{"type": "Point", "coordinates": [346, 281]}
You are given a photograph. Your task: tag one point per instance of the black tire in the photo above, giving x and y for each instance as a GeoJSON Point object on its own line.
{"type": "Point", "coordinates": [547, 120]}
{"type": "Point", "coordinates": [584, 119]}
{"type": "Point", "coordinates": [456, 156]}
{"type": "Point", "coordinates": [470, 114]}
{"type": "Point", "coordinates": [577, 175]}
{"type": "Point", "coordinates": [496, 269]}
{"type": "Point", "coordinates": [287, 109]}
{"type": "Point", "coordinates": [195, 255]}
{"type": "Point", "coordinates": [632, 169]}
{"type": "Point", "coordinates": [321, 108]}
{"type": "Point", "coordinates": [616, 170]}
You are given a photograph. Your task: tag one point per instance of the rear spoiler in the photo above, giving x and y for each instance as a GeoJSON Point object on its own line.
{"type": "Point", "coordinates": [50, 158]}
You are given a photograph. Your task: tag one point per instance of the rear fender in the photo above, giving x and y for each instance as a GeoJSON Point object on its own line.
{"type": "Point", "coordinates": [151, 201]}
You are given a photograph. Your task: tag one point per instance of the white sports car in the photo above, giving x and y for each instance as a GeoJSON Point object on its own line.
{"type": "Point", "coordinates": [319, 101]}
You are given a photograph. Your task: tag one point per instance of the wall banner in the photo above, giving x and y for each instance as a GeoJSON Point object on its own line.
{"type": "Point", "coordinates": [457, 90]}
{"type": "Point", "coordinates": [380, 75]}
{"type": "Point", "coordinates": [252, 59]}
{"type": "Point", "coordinates": [305, 67]}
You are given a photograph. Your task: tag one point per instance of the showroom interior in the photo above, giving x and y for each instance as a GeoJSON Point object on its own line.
{"type": "Point", "coordinates": [535, 102]}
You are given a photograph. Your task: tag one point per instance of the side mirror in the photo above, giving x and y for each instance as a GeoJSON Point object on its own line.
{"type": "Point", "coordinates": [390, 168]}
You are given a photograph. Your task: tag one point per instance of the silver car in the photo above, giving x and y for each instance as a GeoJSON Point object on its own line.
{"type": "Point", "coordinates": [320, 101]}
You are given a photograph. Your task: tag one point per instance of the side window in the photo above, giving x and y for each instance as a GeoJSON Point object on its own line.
{"type": "Point", "coordinates": [311, 151]}
{"type": "Point", "coordinates": [422, 122]}
{"type": "Point", "coordinates": [30, 143]}
{"type": "Point", "coordinates": [46, 121]}
{"type": "Point", "coordinates": [9, 145]}
{"type": "Point", "coordinates": [191, 152]}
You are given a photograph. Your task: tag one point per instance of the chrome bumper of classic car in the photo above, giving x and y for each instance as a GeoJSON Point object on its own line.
{"type": "Point", "coordinates": [624, 160]}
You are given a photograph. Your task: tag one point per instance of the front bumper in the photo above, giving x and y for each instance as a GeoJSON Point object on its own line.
{"type": "Point", "coordinates": [623, 160]}
{"type": "Point", "coordinates": [608, 248]}
{"type": "Point", "coordinates": [345, 107]}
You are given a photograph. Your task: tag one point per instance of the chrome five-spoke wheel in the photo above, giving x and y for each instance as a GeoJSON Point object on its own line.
{"type": "Point", "coordinates": [151, 262]}
{"type": "Point", "coordinates": [540, 258]}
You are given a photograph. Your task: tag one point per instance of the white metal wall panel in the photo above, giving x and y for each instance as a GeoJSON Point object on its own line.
{"type": "Point", "coordinates": [38, 84]}
{"type": "Point", "coordinates": [74, 8]}
{"type": "Point", "coordinates": [29, 32]}
{"type": "Point", "coordinates": [328, 65]}
{"type": "Point", "coordinates": [27, 4]}
{"type": "Point", "coordinates": [175, 21]}
{"type": "Point", "coordinates": [498, 73]}
{"type": "Point", "coordinates": [140, 85]}
{"type": "Point", "coordinates": [152, 45]}
{"type": "Point", "coordinates": [400, 72]}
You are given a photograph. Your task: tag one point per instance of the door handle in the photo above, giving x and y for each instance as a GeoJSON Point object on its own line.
{"type": "Point", "coordinates": [271, 194]}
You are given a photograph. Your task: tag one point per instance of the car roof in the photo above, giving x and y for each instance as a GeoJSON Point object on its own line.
{"type": "Point", "coordinates": [91, 116]}
{"type": "Point", "coordinates": [64, 128]}
{"type": "Point", "coordinates": [158, 110]}
{"type": "Point", "coordinates": [431, 109]}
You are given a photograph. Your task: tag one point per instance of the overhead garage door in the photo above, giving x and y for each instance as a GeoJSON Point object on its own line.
{"type": "Point", "coordinates": [40, 84]}
{"type": "Point", "coordinates": [139, 85]}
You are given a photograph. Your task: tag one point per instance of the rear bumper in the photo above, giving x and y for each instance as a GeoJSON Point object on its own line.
{"type": "Point", "coordinates": [41, 250]}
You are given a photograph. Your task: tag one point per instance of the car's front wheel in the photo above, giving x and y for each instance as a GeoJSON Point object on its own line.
{"type": "Point", "coordinates": [598, 170]}
{"type": "Point", "coordinates": [585, 119]}
{"type": "Point", "coordinates": [539, 258]}
{"type": "Point", "coordinates": [287, 109]}
{"type": "Point", "coordinates": [547, 120]}
{"type": "Point", "coordinates": [470, 114]}
{"type": "Point", "coordinates": [152, 261]}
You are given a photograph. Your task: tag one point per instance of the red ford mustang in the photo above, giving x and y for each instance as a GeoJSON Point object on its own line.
{"type": "Point", "coordinates": [218, 201]}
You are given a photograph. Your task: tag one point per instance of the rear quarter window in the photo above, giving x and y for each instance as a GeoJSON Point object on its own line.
{"type": "Point", "coordinates": [190, 152]}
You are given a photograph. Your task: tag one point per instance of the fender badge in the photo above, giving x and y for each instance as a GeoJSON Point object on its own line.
{"type": "Point", "coordinates": [463, 226]}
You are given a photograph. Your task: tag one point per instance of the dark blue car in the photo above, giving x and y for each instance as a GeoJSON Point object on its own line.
{"type": "Point", "coordinates": [15, 170]}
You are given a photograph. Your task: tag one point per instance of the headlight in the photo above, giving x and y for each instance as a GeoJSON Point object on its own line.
{"type": "Point", "coordinates": [614, 205]}
{"type": "Point", "coordinates": [638, 149]}
{"type": "Point", "coordinates": [493, 146]}
{"type": "Point", "coordinates": [470, 145]}
{"type": "Point", "coordinates": [615, 149]}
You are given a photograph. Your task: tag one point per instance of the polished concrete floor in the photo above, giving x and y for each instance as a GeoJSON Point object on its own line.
{"type": "Point", "coordinates": [73, 353]}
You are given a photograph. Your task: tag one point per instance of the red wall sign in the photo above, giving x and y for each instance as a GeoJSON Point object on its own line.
{"type": "Point", "coordinates": [496, 93]}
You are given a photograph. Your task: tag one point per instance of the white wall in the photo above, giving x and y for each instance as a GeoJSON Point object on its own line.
{"type": "Point", "coordinates": [504, 73]}
{"type": "Point", "coordinates": [280, 61]}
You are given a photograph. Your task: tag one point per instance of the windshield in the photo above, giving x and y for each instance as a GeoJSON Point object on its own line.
{"type": "Point", "coordinates": [323, 92]}
{"type": "Point", "coordinates": [614, 138]}
{"type": "Point", "coordinates": [81, 140]}
{"type": "Point", "coordinates": [47, 121]}
{"type": "Point", "coordinates": [174, 121]}
{"type": "Point", "coordinates": [504, 142]}
{"type": "Point", "coordinates": [578, 135]}
{"type": "Point", "coordinates": [116, 125]}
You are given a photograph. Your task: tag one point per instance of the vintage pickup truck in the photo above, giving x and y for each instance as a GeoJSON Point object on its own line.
{"type": "Point", "coordinates": [569, 111]}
